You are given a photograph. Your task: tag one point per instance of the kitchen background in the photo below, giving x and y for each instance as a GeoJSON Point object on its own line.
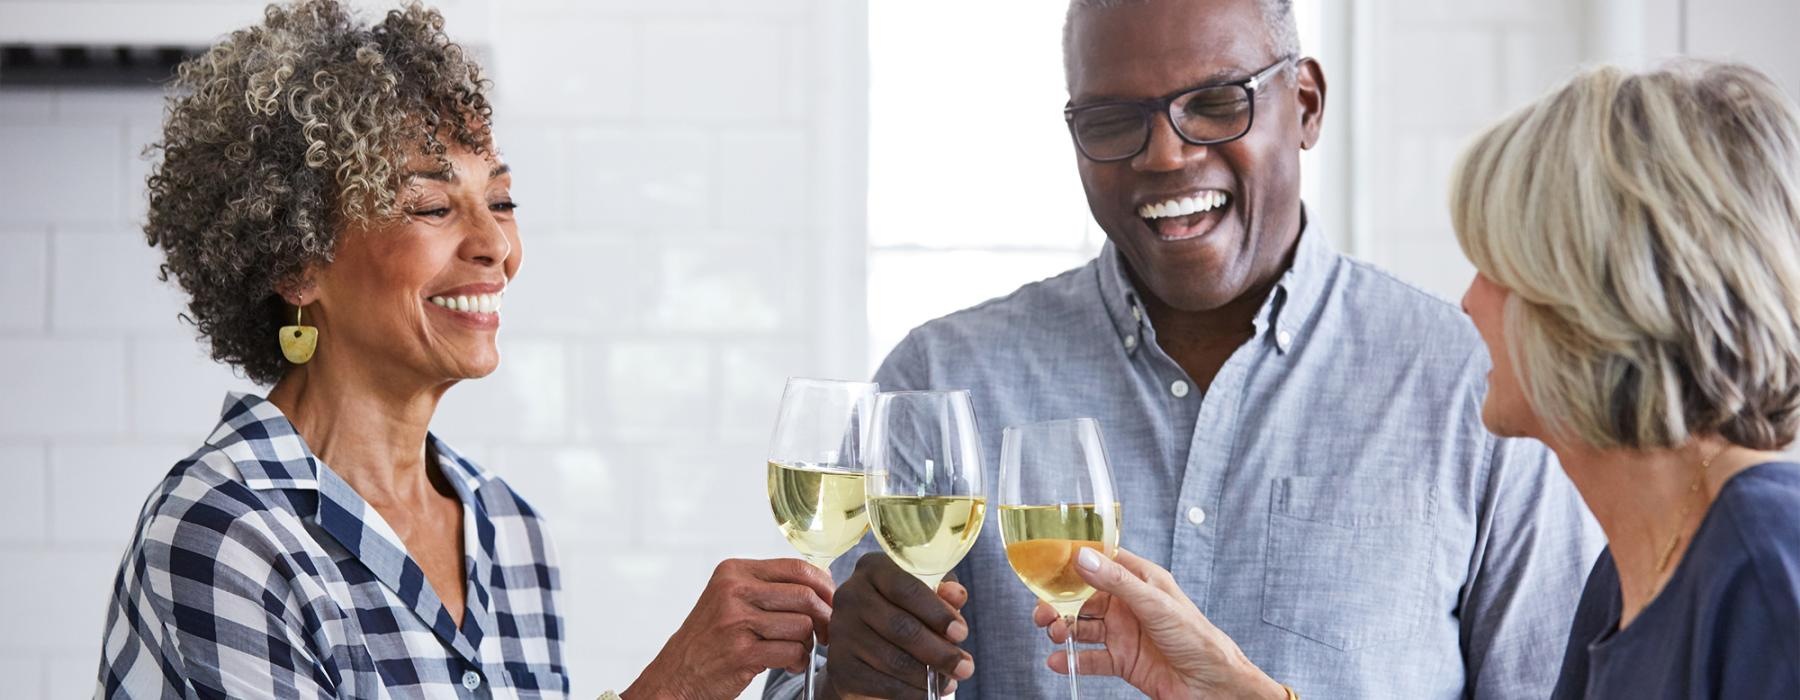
{"type": "Point", "coordinates": [716, 194]}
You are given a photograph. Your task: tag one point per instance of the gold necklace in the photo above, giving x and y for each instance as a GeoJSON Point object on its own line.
{"type": "Point", "coordinates": [1668, 552]}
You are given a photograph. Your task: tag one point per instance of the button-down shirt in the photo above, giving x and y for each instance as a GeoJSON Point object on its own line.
{"type": "Point", "coordinates": [257, 571]}
{"type": "Point", "coordinates": [1332, 501]}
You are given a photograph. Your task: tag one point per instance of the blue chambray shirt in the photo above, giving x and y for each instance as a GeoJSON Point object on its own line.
{"type": "Point", "coordinates": [1332, 502]}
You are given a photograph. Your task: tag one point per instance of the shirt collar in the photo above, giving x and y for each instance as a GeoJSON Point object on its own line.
{"type": "Point", "coordinates": [270, 454]}
{"type": "Point", "coordinates": [1285, 312]}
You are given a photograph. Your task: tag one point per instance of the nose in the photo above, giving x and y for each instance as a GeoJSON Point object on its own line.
{"type": "Point", "coordinates": [1166, 151]}
{"type": "Point", "coordinates": [486, 243]}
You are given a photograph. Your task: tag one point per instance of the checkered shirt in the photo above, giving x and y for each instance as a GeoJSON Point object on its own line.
{"type": "Point", "coordinates": [257, 572]}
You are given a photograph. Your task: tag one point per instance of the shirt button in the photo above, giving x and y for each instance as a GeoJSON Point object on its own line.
{"type": "Point", "coordinates": [1179, 388]}
{"type": "Point", "coordinates": [1283, 339]}
{"type": "Point", "coordinates": [1131, 342]}
{"type": "Point", "coordinates": [471, 680]}
{"type": "Point", "coordinates": [1196, 516]}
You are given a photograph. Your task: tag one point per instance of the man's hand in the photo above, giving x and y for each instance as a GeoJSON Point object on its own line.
{"type": "Point", "coordinates": [888, 627]}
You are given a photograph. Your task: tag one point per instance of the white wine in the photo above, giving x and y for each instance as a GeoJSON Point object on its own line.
{"type": "Point", "coordinates": [1042, 542]}
{"type": "Point", "coordinates": [819, 510]}
{"type": "Point", "coordinates": [927, 535]}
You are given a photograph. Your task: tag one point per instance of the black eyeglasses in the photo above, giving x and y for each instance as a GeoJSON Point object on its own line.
{"type": "Point", "coordinates": [1202, 116]}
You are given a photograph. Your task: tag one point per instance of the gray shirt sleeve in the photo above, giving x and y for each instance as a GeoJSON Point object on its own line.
{"type": "Point", "coordinates": [1524, 579]}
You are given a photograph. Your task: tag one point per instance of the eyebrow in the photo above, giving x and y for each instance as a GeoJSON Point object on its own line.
{"type": "Point", "coordinates": [448, 175]}
{"type": "Point", "coordinates": [1223, 76]}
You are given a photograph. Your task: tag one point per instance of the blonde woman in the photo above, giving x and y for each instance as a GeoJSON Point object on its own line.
{"type": "Point", "coordinates": [1637, 238]}
{"type": "Point", "coordinates": [1637, 241]}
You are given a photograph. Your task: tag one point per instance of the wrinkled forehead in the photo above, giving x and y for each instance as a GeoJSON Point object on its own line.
{"type": "Point", "coordinates": [1143, 48]}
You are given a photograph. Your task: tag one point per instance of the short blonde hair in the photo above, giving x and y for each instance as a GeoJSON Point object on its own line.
{"type": "Point", "coordinates": [1648, 225]}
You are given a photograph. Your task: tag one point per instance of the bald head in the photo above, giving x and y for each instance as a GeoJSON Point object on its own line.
{"type": "Point", "coordinates": [1278, 19]}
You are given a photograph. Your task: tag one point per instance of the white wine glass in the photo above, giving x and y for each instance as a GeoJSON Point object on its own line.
{"type": "Point", "coordinates": [1057, 498]}
{"type": "Point", "coordinates": [816, 471]}
{"type": "Point", "coordinates": [926, 496]}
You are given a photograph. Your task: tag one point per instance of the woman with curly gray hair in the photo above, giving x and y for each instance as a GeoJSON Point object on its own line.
{"type": "Point", "coordinates": [330, 198]}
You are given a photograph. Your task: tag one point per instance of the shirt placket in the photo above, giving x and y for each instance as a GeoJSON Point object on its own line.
{"type": "Point", "coordinates": [1195, 542]}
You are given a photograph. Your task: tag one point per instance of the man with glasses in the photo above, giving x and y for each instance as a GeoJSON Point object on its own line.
{"type": "Point", "coordinates": [1295, 435]}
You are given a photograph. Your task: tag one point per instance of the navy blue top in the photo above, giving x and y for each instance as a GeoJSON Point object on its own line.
{"type": "Point", "coordinates": [1727, 625]}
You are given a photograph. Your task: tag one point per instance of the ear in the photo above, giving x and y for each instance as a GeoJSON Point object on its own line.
{"type": "Point", "coordinates": [1309, 87]}
{"type": "Point", "coordinates": [298, 289]}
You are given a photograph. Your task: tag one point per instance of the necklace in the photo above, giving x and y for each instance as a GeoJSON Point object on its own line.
{"type": "Point", "coordinates": [1668, 551]}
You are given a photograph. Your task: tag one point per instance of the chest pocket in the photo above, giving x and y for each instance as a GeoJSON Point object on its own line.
{"type": "Point", "coordinates": [1349, 559]}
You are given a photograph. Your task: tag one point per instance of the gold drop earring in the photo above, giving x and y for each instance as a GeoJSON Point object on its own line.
{"type": "Point", "coordinates": [299, 341]}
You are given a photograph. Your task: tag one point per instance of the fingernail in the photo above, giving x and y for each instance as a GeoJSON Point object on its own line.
{"type": "Point", "coordinates": [1088, 559]}
{"type": "Point", "coordinates": [951, 688]}
{"type": "Point", "coordinates": [964, 669]}
{"type": "Point", "coordinates": [957, 631]}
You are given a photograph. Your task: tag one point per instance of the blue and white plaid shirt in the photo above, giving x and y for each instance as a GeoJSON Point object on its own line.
{"type": "Point", "coordinates": [258, 572]}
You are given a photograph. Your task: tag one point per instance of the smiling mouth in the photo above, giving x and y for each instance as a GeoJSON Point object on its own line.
{"type": "Point", "coordinates": [470, 303]}
{"type": "Point", "coordinates": [1188, 217]}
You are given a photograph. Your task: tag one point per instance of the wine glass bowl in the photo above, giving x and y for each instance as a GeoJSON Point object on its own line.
{"type": "Point", "coordinates": [1057, 498]}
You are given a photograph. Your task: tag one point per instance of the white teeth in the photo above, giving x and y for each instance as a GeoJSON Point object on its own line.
{"type": "Point", "coordinates": [1205, 201]}
{"type": "Point", "coordinates": [478, 303]}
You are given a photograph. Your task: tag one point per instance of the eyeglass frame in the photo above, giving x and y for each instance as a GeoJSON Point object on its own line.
{"type": "Point", "coordinates": [1150, 107]}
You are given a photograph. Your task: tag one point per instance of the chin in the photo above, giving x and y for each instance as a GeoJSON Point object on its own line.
{"type": "Point", "coordinates": [1503, 422]}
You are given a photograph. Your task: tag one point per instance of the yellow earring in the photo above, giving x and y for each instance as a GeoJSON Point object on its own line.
{"type": "Point", "coordinates": [298, 341]}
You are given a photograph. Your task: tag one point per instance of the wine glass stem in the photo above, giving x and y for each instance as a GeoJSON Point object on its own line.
{"type": "Point", "coordinates": [812, 651]}
{"type": "Point", "coordinates": [931, 684]}
{"type": "Point", "coordinates": [1069, 648]}
{"type": "Point", "coordinates": [811, 674]}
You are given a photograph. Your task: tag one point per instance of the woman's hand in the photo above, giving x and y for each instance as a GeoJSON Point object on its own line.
{"type": "Point", "coordinates": [1156, 639]}
{"type": "Point", "coordinates": [753, 616]}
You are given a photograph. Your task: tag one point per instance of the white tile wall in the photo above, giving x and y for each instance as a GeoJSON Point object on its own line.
{"type": "Point", "coordinates": [666, 154]}
{"type": "Point", "coordinates": [1438, 73]}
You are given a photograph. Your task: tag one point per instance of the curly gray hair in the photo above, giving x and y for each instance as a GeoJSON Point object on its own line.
{"type": "Point", "coordinates": [283, 134]}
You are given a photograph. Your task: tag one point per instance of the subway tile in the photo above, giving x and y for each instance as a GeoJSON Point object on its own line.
{"type": "Point", "coordinates": [22, 105]}
{"type": "Point", "coordinates": [640, 178]}
{"type": "Point", "coordinates": [576, 68]}
{"type": "Point", "coordinates": [653, 390]}
{"type": "Point", "coordinates": [1535, 61]}
{"type": "Point", "coordinates": [25, 470]}
{"type": "Point", "coordinates": [524, 400]}
{"type": "Point", "coordinates": [536, 151]}
{"type": "Point", "coordinates": [109, 105]}
{"type": "Point", "coordinates": [24, 280]}
{"type": "Point", "coordinates": [1461, 85]}
{"type": "Point", "coordinates": [585, 493]}
{"type": "Point", "coordinates": [134, 191]}
{"type": "Point", "coordinates": [62, 387]}
{"type": "Point", "coordinates": [177, 388]}
{"type": "Point", "coordinates": [762, 182]}
{"type": "Point", "coordinates": [729, 283]}
{"type": "Point", "coordinates": [60, 596]}
{"type": "Point", "coordinates": [24, 675]}
{"type": "Point", "coordinates": [751, 378]}
{"type": "Point", "coordinates": [575, 283]}
{"type": "Point", "coordinates": [714, 497]}
{"type": "Point", "coordinates": [73, 674]}
{"type": "Point", "coordinates": [711, 72]}
{"type": "Point", "coordinates": [98, 490]}
{"type": "Point", "coordinates": [59, 173]}
{"type": "Point", "coordinates": [108, 281]}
